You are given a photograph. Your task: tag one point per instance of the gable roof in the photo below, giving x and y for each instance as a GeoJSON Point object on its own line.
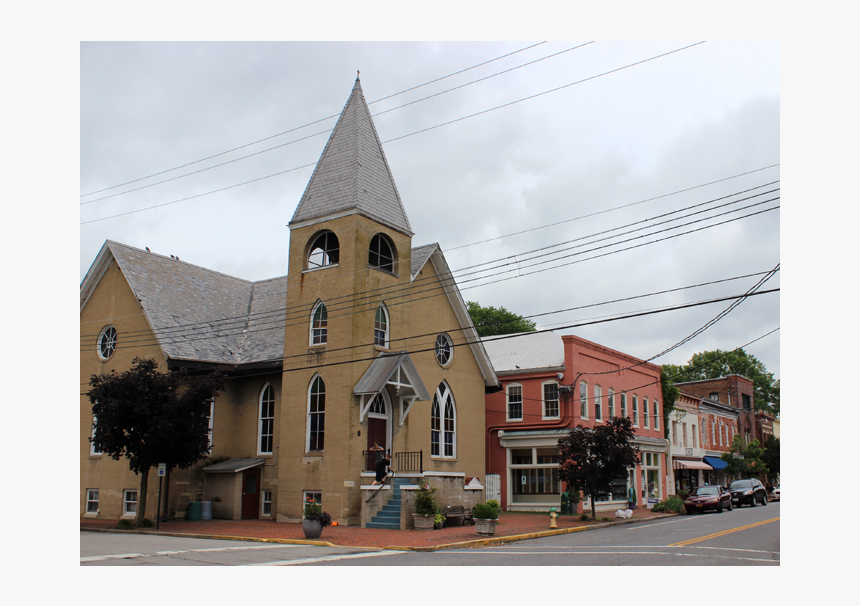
{"type": "Point", "coordinates": [352, 175]}
{"type": "Point", "coordinates": [198, 314]}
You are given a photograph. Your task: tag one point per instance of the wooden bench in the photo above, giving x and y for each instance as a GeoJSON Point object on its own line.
{"type": "Point", "coordinates": [457, 513]}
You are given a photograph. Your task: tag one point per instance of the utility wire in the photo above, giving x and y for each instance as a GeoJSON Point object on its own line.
{"type": "Point", "coordinates": [402, 136]}
{"type": "Point", "coordinates": [303, 126]}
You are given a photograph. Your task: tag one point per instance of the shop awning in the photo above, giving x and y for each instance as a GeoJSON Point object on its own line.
{"type": "Point", "coordinates": [716, 462]}
{"type": "Point", "coordinates": [686, 464]}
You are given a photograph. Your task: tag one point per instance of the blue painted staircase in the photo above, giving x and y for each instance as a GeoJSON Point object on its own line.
{"type": "Point", "coordinates": [389, 516]}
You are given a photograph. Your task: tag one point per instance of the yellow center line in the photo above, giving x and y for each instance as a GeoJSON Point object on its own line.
{"type": "Point", "coordinates": [722, 533]}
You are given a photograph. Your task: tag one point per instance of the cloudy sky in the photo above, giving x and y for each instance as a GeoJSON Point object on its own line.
{"type": "Point", "coordinates": [576, 176]}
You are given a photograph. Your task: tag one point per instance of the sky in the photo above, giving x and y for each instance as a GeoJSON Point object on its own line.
{"type": "Point", "coordinates": [645, 167]}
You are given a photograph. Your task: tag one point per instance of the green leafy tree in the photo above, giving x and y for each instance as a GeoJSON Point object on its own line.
{"type": "Point", "coordinates": [151, 417]}
{"type": "Point", "coordinates": [745, 460]}
{"type": "Point", "coordinates": [491, 321]}
{"type": "Point", "coordinates": [718, 363]}
{"type": "Point", "coordinates": [771, 456]}
{"type": "Point", "coordinates": [592, 458]}
{"type": "Point", "coordinates": [670, 394]}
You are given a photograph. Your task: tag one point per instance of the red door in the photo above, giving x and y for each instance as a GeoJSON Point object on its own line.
{"type": "Point", "coordinates": [376, 433]}
{"type": "Point", "coordinates": [251, 494]}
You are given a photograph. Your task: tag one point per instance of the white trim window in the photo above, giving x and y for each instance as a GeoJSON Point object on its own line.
{"type": "Point", "coordinates": [266, 425]}
{"type": "Point", "coordinates": [266, 503]}
{"type": "Point", "coordinates": [623, 404]}
{"type": "Point", "coordinates": [550, 400]}
{"type": "Point", "coordinates": [583, 399]}
{"type": "Point", "coordinates": [444, 349]}
{"type": "Point", "coordinates": [610, 403]}
{"type": "Point", "coordinates": [693, 433]}
{"type": "Point", "coordinates": [211, 419]}
{"type": "Point", "coordinates": [380, 327]}
{"type": "Point", "coordinates": [635, 405]}
{"type": "Point", "coordinates": [316, 414]}
{"type": "Point", "coordinates": [319, 324]}
{"type": "Point", "coordinates": [94, 452]}
{"type": "Point", "coordinates": [381, 254]}
{"type": "Point", "coordinates": [92, 500]}
{"type": "Point", "coordinates": [645, 412]}
{"type": "Point", "coordinates": [673, 430]}
{"type": "Point", "coordinates": [598, 403]}
{"type": "Point", "coordinates": [443, 423]}
{"type": "Point", "coordinates": [657, 414]}
{"type": "Point", "coordinates": [106, 343]}
{"type": "Point", "coordinates": [129, 502]}
{"type": "Point", "coordinates": [514, 392]}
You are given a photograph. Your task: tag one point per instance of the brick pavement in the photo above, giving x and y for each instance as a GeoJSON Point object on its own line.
{"type": "Point", "coordinates": [511, 526]}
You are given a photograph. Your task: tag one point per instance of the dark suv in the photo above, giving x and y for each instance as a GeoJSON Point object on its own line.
{"type": "Point", "coordinates": [748, 492]}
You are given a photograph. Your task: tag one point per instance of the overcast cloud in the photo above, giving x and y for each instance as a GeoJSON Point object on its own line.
{"type": "Point", "coordinates": [708, 113]}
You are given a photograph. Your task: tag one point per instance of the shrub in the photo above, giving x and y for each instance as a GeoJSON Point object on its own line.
{"type": "Point", "coordinates": [672, 504]}
{"type": "Point", "coordinates": [425, 502]}
{"type": "Point", "coordinates": [145, 523]}
{"type": "Point", "coordinates": [126, 524]}
{"type": "Point", "coordinates": [494, 503]}
{"type": "Point", "coordinates": [584, 517]}
{"type": "Point", "coordinates": [485, 511]}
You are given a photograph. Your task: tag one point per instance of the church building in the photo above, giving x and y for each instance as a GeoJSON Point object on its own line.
{"type": "Point", "coordinates": [365, 342]}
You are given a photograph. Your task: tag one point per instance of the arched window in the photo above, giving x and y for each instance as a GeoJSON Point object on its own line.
{"type": "Point", "coordinates": [598, 403]}
{"type": "Point", "coordinates": [316, 414]}
{"type": "Point", "coordinates": [443, 423]}
{"type": "Point", "coordinates": [324, 251]}
{"type": "Point", "coordinates": [444, 349]}
{"type": "Point", "coordinates": [610, 402]}
{"type": "Point", "coordinates": [380, 326]}
{"type": "Point", "coordinates": [319, 324]}
{"type": "Point", "coordinates": [381, 253]}
{"type": "Point", "coordinates": [645, 418]}
{"type": "Point", "coordinates": [583, 399]}
{"type": "Point", "coordinates": [266, 431]}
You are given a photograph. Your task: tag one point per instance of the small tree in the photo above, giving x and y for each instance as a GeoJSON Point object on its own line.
{"type": "Point", "coordinates": [491, 321]}
{"type": "Point", "coordinates": [151, 417]}
{"type": "Point", "coordinates": [748, 462]}
{"type": "Point", "coordinates": [670, 394]}
{"type": "Point", "coordinates": [592, 458]}
{"type": "Point", "coordinates": [771, 456]}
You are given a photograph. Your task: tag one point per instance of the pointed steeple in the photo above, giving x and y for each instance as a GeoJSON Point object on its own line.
{"type": "Point", "coordinates": [352, 175]}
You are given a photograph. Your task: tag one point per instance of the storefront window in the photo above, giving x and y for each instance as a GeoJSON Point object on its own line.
{"type": "Point", "coordinates": [534, 476]}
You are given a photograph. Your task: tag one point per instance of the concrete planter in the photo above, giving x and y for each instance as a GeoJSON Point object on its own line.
{"type": "Point", "coordinates": [423, 522]}
{"type": "Point", "coordinates": [485, 526]}
{"type": "Point", "coordinates": [312, 528]}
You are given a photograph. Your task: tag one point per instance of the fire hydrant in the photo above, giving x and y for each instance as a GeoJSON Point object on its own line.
{"type": "Point", "coordinates": [553, 516]}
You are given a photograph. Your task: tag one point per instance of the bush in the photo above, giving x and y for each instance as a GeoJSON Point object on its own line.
{"type": "Point", "coordinates": [584, 517]}
{"type": "Point", "coordinates": [485, 511]}
{"type": "Point", "coordinates": [425, 502]}
{"type": "Point", "coordinates": [494, 503]}
{"type": "Point", "coordinates": [126, 525]}
{"type": "Point", "coordinates": [672, 504]}
{"type": "Point", "coordinates": [145, 523]}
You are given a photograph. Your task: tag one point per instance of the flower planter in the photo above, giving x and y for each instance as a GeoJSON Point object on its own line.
{"type": "Point", "coordinates": [312, 528]}
{"type": "Point", "coordinates": [485, 526]}
{"type": "Point", "coordinates": [423, 522]}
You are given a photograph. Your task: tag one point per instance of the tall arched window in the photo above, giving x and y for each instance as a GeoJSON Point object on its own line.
{"type": "Point", "coordinates": [380, 326]}
{"type": "Point", "coordinates": [381, 253]}
{"type": "Point", "coordinates": [324, 251]}
{"type": "Point", "coordinates": [319, 324]}
{"type": "Point", "coordinates": [266, 431]}
{"type": "Point", "coordinates": [583, 399]}
{"type": "Point", "coordinates": [316, 414]}
{"type": "Point", "coordinates": [443, 423]}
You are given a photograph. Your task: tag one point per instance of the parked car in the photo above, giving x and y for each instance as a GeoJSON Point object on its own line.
{"type": "Point", "coordinates": [774, 495]}
{"type": "Point", "coordinates": [748, 492]}
{"type": "Point", "coordinates": [704, 498]}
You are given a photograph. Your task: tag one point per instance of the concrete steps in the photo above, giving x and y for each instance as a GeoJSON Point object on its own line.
{"type": "Point", "coordinates": [389, 516]}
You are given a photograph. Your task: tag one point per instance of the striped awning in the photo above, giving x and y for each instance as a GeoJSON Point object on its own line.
{"type": "Point", "coordinates": [690, 464]}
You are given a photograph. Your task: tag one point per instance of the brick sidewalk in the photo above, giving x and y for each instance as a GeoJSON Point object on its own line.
{"type": "Point", "coordinates": [511, 524]}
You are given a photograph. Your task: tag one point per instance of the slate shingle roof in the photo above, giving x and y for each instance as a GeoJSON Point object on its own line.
{"type": "Point", "coordinates": [352, 174]}
{"type": "Point", "coordinates": [203, 315]}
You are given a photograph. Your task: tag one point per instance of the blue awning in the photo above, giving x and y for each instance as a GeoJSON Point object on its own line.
{"type": "Point", "coordinates": [716, 462]}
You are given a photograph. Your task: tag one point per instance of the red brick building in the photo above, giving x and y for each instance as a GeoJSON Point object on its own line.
{"type": "Point", "coordinates": [734, 391]}
{"type": "Point", "coordinates": [553, 383]}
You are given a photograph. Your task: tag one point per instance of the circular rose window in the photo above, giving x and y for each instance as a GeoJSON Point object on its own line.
{"type": "Point", "coordinates": [444, 349]}
{"type": "Point", "coordinates": [107, 342]}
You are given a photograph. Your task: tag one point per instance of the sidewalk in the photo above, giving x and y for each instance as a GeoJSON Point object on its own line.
{"type": "Point", "coordinates": [512, 526]}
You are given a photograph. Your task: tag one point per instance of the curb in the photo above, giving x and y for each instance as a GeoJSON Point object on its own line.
{"type": "Point", "coordinates": [485, 542]}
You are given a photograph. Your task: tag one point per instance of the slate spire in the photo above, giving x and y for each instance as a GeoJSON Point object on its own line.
{"type": "Point", "coordinates": [352, 175]}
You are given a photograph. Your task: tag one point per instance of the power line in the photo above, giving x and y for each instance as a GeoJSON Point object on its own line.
{"type": "Point", "coordinates": [301, 127]}
{"type": "Point", "coordinates": [390, 291]}
{"type": "Point", "coordinates": [402, 136]}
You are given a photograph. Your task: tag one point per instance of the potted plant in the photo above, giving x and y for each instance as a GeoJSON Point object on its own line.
{"type": "Point", "coordinates": [485, 516]}
{"type": "Point", "coordinates": [314, 520]}
{"type": "Point", "coordinates": [426, 508]}
{"type": "Point", "coordinates": [439, 520]}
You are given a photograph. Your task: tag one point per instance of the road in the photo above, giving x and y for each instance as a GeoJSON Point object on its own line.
{"type": "Point", "coordinates": [742, 537]}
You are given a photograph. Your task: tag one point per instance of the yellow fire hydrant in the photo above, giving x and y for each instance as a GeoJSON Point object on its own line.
{"type": "Point", "coordinates": [553, 516]}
